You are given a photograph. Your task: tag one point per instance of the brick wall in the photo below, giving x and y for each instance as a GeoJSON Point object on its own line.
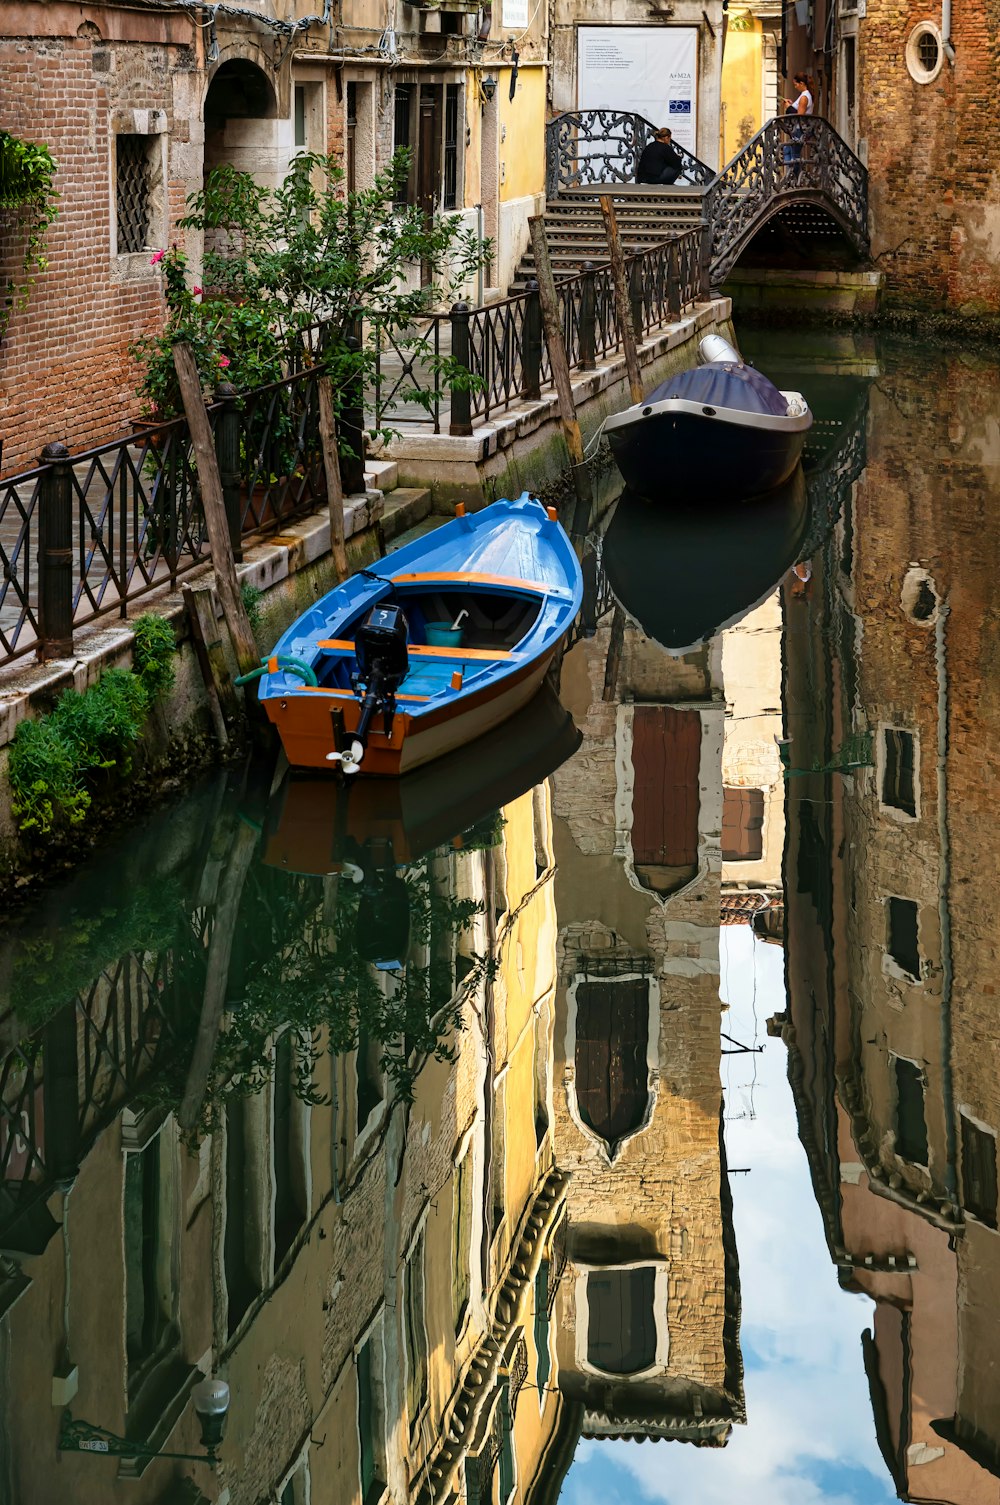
{"type": "Point", "coordinates": [66, 371]}
{"type": "Point", "coordinates": [932, 152]}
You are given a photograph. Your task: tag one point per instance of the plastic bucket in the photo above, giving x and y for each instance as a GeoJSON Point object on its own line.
{"type": "Point", "coordinates": [443, 635]}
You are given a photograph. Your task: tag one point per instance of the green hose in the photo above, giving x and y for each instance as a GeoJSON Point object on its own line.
{"type": "Point", "coordinates": [292, 665]}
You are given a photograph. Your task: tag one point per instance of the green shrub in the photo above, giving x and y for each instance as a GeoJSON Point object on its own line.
{"type": "Point", "coordinates": [51, 758]}
{"type": "Point", "coordinates": [154, 653]}
{"type": "Point", "coordinates": [252, 597]}
{"type": "Point", "coordinates": [46, 777]}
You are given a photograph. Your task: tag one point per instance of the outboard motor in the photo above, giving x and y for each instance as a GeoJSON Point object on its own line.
{"type": "Point", "coordinates": [383, 663]}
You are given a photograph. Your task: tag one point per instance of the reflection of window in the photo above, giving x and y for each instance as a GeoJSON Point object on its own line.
{"type": "Point", "coordinates": [541, 1077]}
{"type": "Point", "coordinates": [507, 1474]}
{"type": "Point", "coordinates": [498, 1155]}
{"type": "Point", "coordinates": [239, 1242]}
{"type": "Point", "coordinates": [369, 1072]}
{"type": "Point", "coordinates": [979, 1171]}
{"type": "Point", "coordinates": [416, 1339]}
{"type": "Point", "coordinates": [461, 1251]}
{"type": "Point", "coordinates": [543, 1363]}
{"type": "Point", "coordinates": [289, 1169]}
{"type": "Point", "coordinates": [911, 1126]}
{"type": "Point", "coordinates": [742, 825]}
{"type": "Point", "coordinates": [370, 1432]}
{"type": "Point", "coordinates": [612, 1075]}
{"type": "Point", "coordinates": [898, 789]}
{"type": "Point", "coordinates": [145, 1298]}
{"type": "Point", "coordinates": [666, 753]}
{"type": "Point", "coordinates": [902, 926]}
{"type": "Point", "coordinates": [621, 1336]}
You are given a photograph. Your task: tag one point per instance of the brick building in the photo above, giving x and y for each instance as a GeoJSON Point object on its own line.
{"type": "Point", "coordinates": [892, 912]}
{"type": "Point", "coordinates": [136, 102]}
{"type": "Point", "coordinates": [926, 124]}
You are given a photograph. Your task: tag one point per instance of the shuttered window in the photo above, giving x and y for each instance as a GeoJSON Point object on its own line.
{"type": "Point", "coordinates": [742, 825]}
{"type": "Point", "coordinates": [911, 1125]}
{"type": "Point", "coordinates": [416, 1343]}
{"type": "Point", "coordinates": [621, 1333]}
{"type": "Point", "coordinates": [979, 1172]}
{"type": "Point", "coordinates": [461, 1254]}
{"type": "Point", "coordinates": [612, 1076]}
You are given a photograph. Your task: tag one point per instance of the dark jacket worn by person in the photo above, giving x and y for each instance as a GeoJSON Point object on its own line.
{"type": "Point", "coordinates": [657, 157]}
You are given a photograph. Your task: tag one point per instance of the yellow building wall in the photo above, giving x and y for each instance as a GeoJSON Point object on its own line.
{"type": "Point", "coordinates": [522, 148]}
{"type": "Point", "coordinates": [473, 139]}
{"type": "Point", "coordinates": [742, 85]}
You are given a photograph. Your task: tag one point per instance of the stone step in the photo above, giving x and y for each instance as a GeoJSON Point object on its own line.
{"type": "Point", "coordinates": [381, 475]}
{"type": "Point", "coordinates": [405, 507]}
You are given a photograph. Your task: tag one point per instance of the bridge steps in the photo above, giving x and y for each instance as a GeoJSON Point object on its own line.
{"type": "Point", "coordinates": [574, 225]}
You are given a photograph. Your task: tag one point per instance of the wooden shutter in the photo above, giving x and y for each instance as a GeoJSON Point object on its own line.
{"type": "Point", "coordinates": [612, 1076]}
{"type": "Point", "coordinates": [666, 751]}
{"type": "Point", "coordinates": [621, 1335]}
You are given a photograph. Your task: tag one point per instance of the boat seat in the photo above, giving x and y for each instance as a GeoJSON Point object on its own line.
{"type": "Point", "coordinates": [343, 648]}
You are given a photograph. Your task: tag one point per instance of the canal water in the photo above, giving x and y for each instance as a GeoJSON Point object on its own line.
{"type": "Point", "coordinates": [607, 1115]}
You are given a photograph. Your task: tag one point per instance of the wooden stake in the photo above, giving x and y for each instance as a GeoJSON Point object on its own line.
{"type": "Point", "coordinates": [211, 659]}
{"type": "Point", "coordinates": [557, 355]}
{"type": "Point", "coordinates": [622, 303]}
{"type": "Point", "coordinates": [237, 622]}
{"type": "Point", "coordinates": [334, 485]}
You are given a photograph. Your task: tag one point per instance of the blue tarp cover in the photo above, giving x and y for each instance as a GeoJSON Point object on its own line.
{"type": "Point", "coordinates": [723, 385]}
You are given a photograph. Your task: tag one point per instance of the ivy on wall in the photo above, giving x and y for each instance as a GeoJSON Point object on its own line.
{"type": "Point", "coordinates": [28, 195]}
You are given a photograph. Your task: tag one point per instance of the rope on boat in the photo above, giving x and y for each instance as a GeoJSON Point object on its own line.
{"type": "Point", "coordinates": [272, 665]}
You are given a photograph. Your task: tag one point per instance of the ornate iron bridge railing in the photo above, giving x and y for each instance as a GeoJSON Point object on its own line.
{"type": "Point", "coordinates": [587, 147]}
{"type": "Point", "coordinates": [792, 160]}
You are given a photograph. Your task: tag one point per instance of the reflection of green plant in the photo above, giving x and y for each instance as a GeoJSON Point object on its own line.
{"type": "Point", "coordinates": [26, 186]}
{"type": "Point", "coordinates": [51, 758]}
{"type": "Point", "coordinates": [49, 970]}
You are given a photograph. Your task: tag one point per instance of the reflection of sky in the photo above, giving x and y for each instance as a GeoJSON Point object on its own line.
{"type": "Point", "coordinates": [810, 1437]}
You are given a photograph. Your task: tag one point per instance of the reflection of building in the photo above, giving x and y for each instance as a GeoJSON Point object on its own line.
{"type": "Point", "coordinates": [374, 1278]}
{"type": "Point", "coordinates": [891, 1020]}
{"type": "Point", "coordinates": [648, 1313]}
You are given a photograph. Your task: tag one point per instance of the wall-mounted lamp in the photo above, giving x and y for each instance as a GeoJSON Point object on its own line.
{"type": "Point", "coordinates": [211, 1404]}
{"type": "Point", "coordinates": [488, 85]}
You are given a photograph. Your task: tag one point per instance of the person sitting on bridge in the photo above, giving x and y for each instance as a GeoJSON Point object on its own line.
{"type": "Point", "coordinates": [660, 162]}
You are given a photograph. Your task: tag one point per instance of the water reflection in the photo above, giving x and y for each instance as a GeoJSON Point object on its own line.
{"type": "Point", "coordinates": [401, 1106]}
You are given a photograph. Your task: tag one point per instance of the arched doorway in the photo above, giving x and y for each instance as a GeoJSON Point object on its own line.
{"type": "Point", "coordinates": [241, 121]}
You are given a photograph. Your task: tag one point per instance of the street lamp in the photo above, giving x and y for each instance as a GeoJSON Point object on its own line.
{"type": "Point", "coordinates": [211, 1403]}
{"type": "Point", "coordinates": [489, 87]}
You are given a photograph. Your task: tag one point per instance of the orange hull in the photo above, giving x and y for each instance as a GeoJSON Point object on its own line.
{"type": "Point", "coordinates": [305, 726]}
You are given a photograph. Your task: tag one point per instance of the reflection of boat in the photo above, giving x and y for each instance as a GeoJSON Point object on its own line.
{"type": "Point", "coordinates": [427, 649]}
{"type": "Point", "coordinates": [684, 576]}
{"type": "Point", "coordinates": [719, 431]}
{"type": "Point", "coordinates": [316, 825]}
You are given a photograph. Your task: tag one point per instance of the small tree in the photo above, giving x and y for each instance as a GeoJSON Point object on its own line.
{"type": "Point", "coordinates": [294, 272]}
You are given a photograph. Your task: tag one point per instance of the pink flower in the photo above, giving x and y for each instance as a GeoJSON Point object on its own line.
{"type": "Point", "coordinates": [156, 257]}
{"type": "Point", "coordinates": [223, 361]}
{"type": "Point", "coordinates": [197, 291]}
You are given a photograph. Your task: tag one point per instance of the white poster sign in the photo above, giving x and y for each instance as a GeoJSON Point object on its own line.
{"type": "Point", "coordinates": [515, 14]}
{"type": "Point", "coordinates": [651, 70]}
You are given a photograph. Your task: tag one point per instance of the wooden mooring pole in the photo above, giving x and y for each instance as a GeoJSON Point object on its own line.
{"type": "Point", "coordinates": [210, 482]}
{"type": "Point", "coordinates": [334, 486]}
{"type": "Point", "coordinates": [560, 365]}
{"type": "Point", "coordinates": [623, 303]}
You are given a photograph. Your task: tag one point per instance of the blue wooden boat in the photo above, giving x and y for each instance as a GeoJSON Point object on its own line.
{"type": "Point", "coordinates": [428, 649]}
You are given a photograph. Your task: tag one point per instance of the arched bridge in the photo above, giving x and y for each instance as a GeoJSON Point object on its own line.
{"type": "Point", "coordinates": [796, 176]}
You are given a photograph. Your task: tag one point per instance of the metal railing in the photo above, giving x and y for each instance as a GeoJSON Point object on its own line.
{"type": "Point", "coordinates": [792, 159]}
{"type": "Point", "coordinates": [587, 147]}
{"type": "Point", "coordinates": [82, 536]}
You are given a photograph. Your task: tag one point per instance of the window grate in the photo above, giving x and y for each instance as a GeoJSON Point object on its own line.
{"type": "Point", "coordinates": [133, 193]}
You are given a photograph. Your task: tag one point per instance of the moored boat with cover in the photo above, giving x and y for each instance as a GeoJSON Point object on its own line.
{"type": "Point", "coordinates": [427, 649]}
{"type": "Point", "coordinates": [716, 432]}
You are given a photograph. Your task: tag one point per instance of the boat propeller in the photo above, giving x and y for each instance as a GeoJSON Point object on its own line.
{"type": "Point", "coordinates": [383, 664]}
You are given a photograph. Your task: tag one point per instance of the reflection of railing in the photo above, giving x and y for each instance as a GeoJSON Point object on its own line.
{"type": "Point", "coordinates": [64, 1084]}
{"type": "Point", "coordinates": [830, 481]}
{"type": "Point", "coordinates": [792, 159]}
{"type": "Point", "coordinates": [586, 147]}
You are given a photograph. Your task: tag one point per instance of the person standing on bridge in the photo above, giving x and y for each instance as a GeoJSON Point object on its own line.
{"type": "Point", "coordinates": [801, 105]}
{"type": "Point", "coordinates": [660, 161]}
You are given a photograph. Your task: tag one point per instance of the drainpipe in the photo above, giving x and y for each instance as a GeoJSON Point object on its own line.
{"type": "Point", "coordinates": [949, 50]}
{"type": "Point", "coordinates": [944, 907]}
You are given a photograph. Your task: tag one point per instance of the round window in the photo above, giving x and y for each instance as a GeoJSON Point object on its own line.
{"type": "Point", "coordinates": [924, 54]}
